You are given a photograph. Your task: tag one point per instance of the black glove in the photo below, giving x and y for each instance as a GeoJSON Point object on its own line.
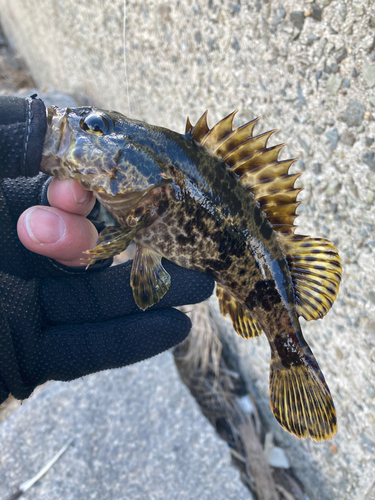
{"type": "Point", "coordinates": [60, 323]}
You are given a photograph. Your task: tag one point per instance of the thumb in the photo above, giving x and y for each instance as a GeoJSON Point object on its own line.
{"type": "Point", "coordinates": [56, 234]}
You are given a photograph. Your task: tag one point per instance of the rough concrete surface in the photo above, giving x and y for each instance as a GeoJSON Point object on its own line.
{"type": "Point", "coordinates": [136, 437]}
{"type": "Point", "coordinates": [309, 70]}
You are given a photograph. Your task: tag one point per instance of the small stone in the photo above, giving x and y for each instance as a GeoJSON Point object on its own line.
{"type": "Point", "coordinates": [333, 84]}
{"type": "Point", "coordinates": [279, 15]}
{"type": "Point", "coordinates": [346, 83]}
{"type": "Point", "coordinates": [235, 45]}
{"type": "Point", "coordinates": [316, 12]}
{"type": "Point", "coordinates": [370, 196]}
{"type": "Point", "coordinates": [235, 9]}
{"type": "Point", "coordinates": [317, 168]}
{"type": "Point", "coordinates": [319, 129]}
{"type": "Point", "coordinates": [369, 141]}
{"type": "Point", "coordinates": [333, 187]}
{"type": "Point", "coordinates": [367, 43]}
{"type": "Point", "coordinates": [355, 73]}
{"type": "Point", "coordinates": [354, 113]}
{"type": "Point", "coordinates": [320, 46]}
{"type": "Point", "coordinates": [339, 354]}
{"type": "Point", "coordinates": [347, 138]}
{"type": "Point", "coordinates": [368, 72]}
{"type": "Point", "coordinates": [347, 28]}
{"type": "Point", "coordinates": [332, 138]}
{"type": "Point", "coordinates": [335, 68]}
{"type": "Point", "coordinates": [368, 116]}
{"type": "Point", "coordinates": [372, 21]}
{"type": "Point", "coordinates": [304, 145]}
{"type": "Point", "coordinates": [343, 10]}
{"type": "Point", "coordinates": [290, 68]}
{"type": "Point", "coordinates": [372, 100]}
{"type": "Point", "coordinates": [329, 121]}
{"type": "Point", "coordinates": [332, 29]}
{"type": "Point", "coordinates": [360, 129]}
{"type": "Point", "coordinates": [333, 207]}
{"type": "Point", "coordinates": [301, 165]}
{"type": "Point", "coordinates": [304, 119]}
{"type": "Point", "coordinates": [325, 3]}
{"type": "Point", "coordinates": [326, 68]}
{"type": "Point", "coordinates": [358, 10]}
{"type": "Point", "coordinates": [277, 458]}
{"type": "Point", "coordinates": [369, 159]}
{"type": "Point", "coordinates": [301, 98]}
{"type": "Point", "coordinates": [311, 38]}
{"type": "Point", "coordinates": [341, 54]}
{"type": "Point", "coordinates": [297, 18]}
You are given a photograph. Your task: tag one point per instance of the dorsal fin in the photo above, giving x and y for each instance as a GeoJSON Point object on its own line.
{"type": "Point", "coordinates": [188, 125]}
{"type": "Point", "coordinates": [256, 165]}
{"type": "Point", "coordinates": [200, 129]}
{"type": "Point", "coordinates": [315, 267]}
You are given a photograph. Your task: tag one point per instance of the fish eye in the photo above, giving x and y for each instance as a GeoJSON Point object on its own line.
{"type": "Point", "coordinates": [95, 123]}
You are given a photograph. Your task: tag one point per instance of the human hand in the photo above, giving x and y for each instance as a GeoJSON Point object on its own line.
{"type": "Point", "coordinates": [60, 232]}
{"type": "Point", "coordinates": [60, 323]}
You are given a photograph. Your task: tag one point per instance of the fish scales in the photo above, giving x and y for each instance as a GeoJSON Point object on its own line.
{"type": "Point", "coordinates": [216, 201]}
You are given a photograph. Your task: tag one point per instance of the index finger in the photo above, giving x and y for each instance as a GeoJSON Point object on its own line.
{"type": "Point", "coordinates": [69, 195]}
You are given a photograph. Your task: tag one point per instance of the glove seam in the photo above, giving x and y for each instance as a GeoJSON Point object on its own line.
{"type": "Point", "coordinates": [29, 115]}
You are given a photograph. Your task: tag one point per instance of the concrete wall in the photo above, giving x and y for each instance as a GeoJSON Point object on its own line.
{"type": "Point", "coordinates": [311, 74]}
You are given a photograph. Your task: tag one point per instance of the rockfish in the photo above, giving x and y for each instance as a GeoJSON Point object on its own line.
{"type": "Point", "coordinates": [217, 201]}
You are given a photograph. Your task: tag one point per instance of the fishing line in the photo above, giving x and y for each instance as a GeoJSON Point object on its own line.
{"type": "Point", "coordinates": [126, 73]}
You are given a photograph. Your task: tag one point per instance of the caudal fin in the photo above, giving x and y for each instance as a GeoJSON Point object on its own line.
{"type": "Point", "coordinates": [301, 402]}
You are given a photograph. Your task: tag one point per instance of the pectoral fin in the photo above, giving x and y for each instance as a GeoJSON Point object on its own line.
{"type": "Point", "coordinates": [243, 323]}
{"type": "Point", "coordinates": [315, 267]}
{"type": "Point", "coordinates": [149, 280]}
{"type": "Point", "coordinates": [112, 241]}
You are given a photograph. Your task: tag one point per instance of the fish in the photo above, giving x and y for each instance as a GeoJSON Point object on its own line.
{"type": "Point", "coordinates": [219, 201]}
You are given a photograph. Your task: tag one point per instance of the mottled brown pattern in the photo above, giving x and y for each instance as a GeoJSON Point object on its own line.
{"type": "Point", "coordinates": [177, 197]}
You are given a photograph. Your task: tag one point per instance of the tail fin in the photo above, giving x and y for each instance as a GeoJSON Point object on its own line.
{"type": "Point", "coordinates": [301, 401]}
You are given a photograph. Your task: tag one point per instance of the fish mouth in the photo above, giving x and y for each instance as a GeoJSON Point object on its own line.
{"type": "Point", "coordinates": [65, 135]}
{"type": "Point", "coordinates": [56, 143]}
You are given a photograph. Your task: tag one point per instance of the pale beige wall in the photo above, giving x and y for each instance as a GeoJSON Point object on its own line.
{"type": "Point", "coordinates": [187, 56]}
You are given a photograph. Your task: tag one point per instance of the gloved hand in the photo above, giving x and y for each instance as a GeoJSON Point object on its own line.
{"type": "Point", "coordinates": [59, 323]}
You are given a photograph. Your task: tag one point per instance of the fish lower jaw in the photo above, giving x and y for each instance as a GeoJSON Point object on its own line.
{"type": "Point", "coordinates": [51, 165]}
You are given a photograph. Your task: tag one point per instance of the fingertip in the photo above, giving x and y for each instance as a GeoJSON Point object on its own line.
{"type": "Point", "coordinates": [69, 195]}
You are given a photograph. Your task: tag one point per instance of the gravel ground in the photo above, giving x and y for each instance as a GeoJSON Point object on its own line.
{"type": "Point", "coordinates": [309, 69]}
{"type": "Point", "coordinates": [136, 437]}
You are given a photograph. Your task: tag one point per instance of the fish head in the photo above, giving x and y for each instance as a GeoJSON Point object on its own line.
{"type": "Point", "coordinates": [97, 148]}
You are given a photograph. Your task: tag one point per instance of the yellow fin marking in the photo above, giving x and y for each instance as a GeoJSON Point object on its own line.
{"type": "Point", "coordinates": [256, 164]}
{"type": "Point", "coordinates": [148, 279]}
{"type": "Point", "coordinates": [243, 322]}
{"type": "Point", "coordinates": [309, 412]}
{"type": "Point", "coordinates": [315, 266]}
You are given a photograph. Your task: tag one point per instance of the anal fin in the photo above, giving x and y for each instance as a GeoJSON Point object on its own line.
{"type": "Point", "coordinates": [315, 267]}
{"type": "Point", "coordinates": [243, 322]}
{"type": "Point", "coordinates": [149, 280]}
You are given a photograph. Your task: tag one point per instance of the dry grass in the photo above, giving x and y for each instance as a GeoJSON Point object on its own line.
{"type": "Point", "coordinates": [219, 390]}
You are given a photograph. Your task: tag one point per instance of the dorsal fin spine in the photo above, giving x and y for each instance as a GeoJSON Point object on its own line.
{"type": "Point", "coordinates": [188, 126]}
{"type": "Point", "coordinates": [257, 166]}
